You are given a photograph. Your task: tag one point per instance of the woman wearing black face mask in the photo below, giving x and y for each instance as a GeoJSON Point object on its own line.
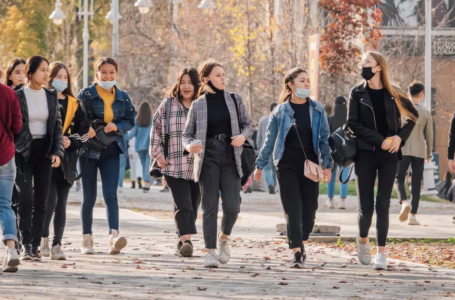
{"type": "Point", "coordinates": [212, 133]}
{"type": "Point", "coordinates": [375, 111]}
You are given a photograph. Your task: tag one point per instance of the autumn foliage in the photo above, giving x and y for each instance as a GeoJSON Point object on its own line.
{"type": "Point", "coordinates": [351, 25]}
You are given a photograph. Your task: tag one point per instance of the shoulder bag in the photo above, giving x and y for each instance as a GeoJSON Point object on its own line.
{"type": "Point", "coordinates": [248, 154]}
{"type": "Point", "coordinates": [344, 148]}
{"type": "Point", "coordinates": [155, 170]}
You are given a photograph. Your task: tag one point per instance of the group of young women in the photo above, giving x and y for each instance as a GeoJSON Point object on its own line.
{"type": "Point", "coordinates": [196, 140]}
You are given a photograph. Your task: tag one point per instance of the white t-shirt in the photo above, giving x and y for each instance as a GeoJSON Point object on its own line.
{"type": "Point", "coordinates": [38, 111]}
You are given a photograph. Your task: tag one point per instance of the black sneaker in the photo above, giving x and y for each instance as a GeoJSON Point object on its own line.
{"type": "Point", "coordinates": [303, 254]}
{"type": "Point", "coordinates": [271, 189]}
{"type": "Point", "coordinates": [186, 249]}
{"type": "Point", "coordinates": [297, 261]}
{"type": "Point", "coordinates": [165, 189]}
{"type": "Point", "coordinates": [35, 254]}
{"type": "Point", "coordinates": [26, 252]}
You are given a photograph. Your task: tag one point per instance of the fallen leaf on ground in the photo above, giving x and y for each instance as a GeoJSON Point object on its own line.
{"type": "Point", "coordinates": [201, 288]}
{"type": "Point", "coordinates": [283, 283]}
{"type": "Point", "coordinates": [255, 274]}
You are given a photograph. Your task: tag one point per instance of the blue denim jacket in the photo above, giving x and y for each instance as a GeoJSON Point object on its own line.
{"type": "Point", "coordinates": [142, 135]}
{"type": "Point", "coordinates": [281, 121]}
{"type": "Point", "coordinates": [124, 114]}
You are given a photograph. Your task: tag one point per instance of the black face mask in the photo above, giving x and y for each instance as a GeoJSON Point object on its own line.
{"type": "Point", "coordinates": [210, 84]}
{"type": "Point", "coordinates": [367, 73]}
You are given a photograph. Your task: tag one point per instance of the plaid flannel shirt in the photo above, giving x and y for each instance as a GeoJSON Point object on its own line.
{"type": "Point", "coordinates": [179, 166]}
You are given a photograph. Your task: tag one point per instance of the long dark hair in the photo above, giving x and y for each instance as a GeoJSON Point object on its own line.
{"type": "Point", "coordinates": [291, 75]}
{"type": "Point", "coordinates": [32, 65]}
{"type": "Point", "coordinates": [11, 66]}
{"type": "Point", "coordinates": [144, 114]}
{"type": "Point", "coordinates": [174, 92]}
{"type": "Point", "coordinates": [54, 68]}
{"type": "Point", "coordinates": [340, 114]}
{"type": "Point", "coordinates": [204, 71]}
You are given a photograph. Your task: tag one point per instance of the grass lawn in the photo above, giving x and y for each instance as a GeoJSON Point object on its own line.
{"type": "Point", "coordinates": [353, 192]}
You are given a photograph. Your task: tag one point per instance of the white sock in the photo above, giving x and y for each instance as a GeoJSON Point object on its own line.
{"type": "Point", "coordinates": [211, 250]}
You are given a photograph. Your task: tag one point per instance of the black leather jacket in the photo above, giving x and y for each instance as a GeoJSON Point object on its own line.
{"type": "Point", "coordinates": [361, 119]}
{"type": "Point", "coordinates": [23, 140]}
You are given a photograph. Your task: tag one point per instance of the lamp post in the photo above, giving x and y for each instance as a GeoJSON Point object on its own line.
{"type": "Point", "coordinates": [428, 173]}
{"type": "Point", "coordinates": [58, 15]}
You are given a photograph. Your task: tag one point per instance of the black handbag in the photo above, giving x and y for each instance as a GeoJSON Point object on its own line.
{"type": "Point", "coordinates": [344, 148]}
{"type": "Point", "coordinates": [248, 155]}
{"type": "Point", "coordinates": [155, 170]}
{"type": "Point", "coordinates": [102, 139]}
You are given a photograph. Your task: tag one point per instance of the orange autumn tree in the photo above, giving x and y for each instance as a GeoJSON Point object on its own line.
{"type": "Point", "coordinates": [351, 25]}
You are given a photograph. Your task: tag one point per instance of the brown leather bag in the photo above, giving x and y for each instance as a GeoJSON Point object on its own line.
{"type": "Point", "coordinates": [311, 170]}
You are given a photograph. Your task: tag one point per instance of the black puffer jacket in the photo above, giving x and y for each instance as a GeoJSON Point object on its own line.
{"type": "Point", "coordinates": [23, 140]}
{"type": "Point", "coordinates": [361, 119]}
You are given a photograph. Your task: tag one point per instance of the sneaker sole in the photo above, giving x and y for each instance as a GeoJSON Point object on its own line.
{"type": "Point", "coordinates": [88, 252]}
{"type": "Point", "coordinates": [186, 250]}
{"type": "Point", "coordinates": [118, 246]}
{"type": "Point", "coordinates": [405, 213]}
{"type": "Point", "coordinates": [58, 258]}
{"type": "Point", "coordinates": [379, 268]}
{"type": "Point", "coordinates": [12, 265]}
{"type": "Point", "coordinates": [211, 266]}
{"type": "Point", "coordinates": [37, 259]}
{"type": "Point", "coordinates": [26, 258]}
{"type": "Point", "coordinates": [297, 266]}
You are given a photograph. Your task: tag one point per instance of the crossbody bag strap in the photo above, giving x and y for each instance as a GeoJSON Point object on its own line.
{"type": "Point", "coordinates": [88, 100]}
{"type": "Point", "coordinates": [300, 141]}
{"type": "Point", "coordinates": [341, 175]}
{"type": "Point", "coordinates": [237, 110]}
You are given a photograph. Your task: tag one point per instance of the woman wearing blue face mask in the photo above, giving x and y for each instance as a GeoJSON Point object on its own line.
{"type": "Point", "coordinates": [75, 131]}
{"type": "Point", "coordinates": [297, 130]}
{"type": "Point", "coordinates": [111, 108]}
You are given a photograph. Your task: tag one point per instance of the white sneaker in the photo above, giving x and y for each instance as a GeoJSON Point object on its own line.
{"type": "Point", "coordinates": [116, 242]}
{"type": "Point", "coordinates": [363, 251]}
{"type": "Point", "coordinates": [412, 220]}
{"type": "Point", "coordinates": [329, 203]}
{"type": "Point", "coordinates": [57, 253]}
{"type": "Point", "coordinates": [405, 210]}
{"type": "Point", "coordinates": [380, 262]}
{"type": "Point", "coordinates": [44, 247]}
{"type": "Point", "coordinates": [225, 252]}
{"type": "Point", "coordinates": [342, 204]}
{"type": "Point", "coordinates": [87, 244]}
{"type": "Point", "coordinates": [211, 260]}
{"type": "Point", "coordinates": [10, 261]}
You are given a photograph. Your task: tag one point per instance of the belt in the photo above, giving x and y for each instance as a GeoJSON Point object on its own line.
{"type": "Point", "coordinates": [38, 136]}
{"type": "Point", "coordinates": [222, 137]}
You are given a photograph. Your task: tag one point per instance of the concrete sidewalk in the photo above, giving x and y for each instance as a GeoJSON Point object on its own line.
{"type": "Point", "coordinates": [149, 269]}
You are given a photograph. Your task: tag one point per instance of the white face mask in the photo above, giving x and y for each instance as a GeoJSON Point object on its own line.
{"type": "Point", "coordinates": [303, 93]}
{"type": "Point", "coordinates": [107, 85]}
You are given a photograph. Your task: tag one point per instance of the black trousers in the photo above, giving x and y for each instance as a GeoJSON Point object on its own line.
{"type": "Point", "coordinates": [416, 164]}
{"type": "Point", "coordinates": [56, 206]}
{"type": "Point", "coordinates": [33, 189]}
{"type": "Point", "coordinates": [219, 174]}
{"type": "Point", "coordinates": [370, 165]}
{"type": "Point", "coordinates": [187, 197]}
{"type": "Point", "coordinates": [299, 195]}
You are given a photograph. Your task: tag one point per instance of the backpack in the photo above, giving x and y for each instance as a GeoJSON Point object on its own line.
{"type": "Point", "coordinates": [344, 148]}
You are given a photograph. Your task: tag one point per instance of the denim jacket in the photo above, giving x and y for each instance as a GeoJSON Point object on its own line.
{"type": "Point", "coordinates": [280, 123]}
{"type": "Point", "coordinates": [124, 114]}
{"type": "Point", "coordinates": [142, 135]}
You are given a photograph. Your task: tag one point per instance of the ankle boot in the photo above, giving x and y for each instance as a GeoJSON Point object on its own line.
{"type": "Point", "coordinates": [139, 182]}
{"type": "Point", "coordinates": [133, 184]}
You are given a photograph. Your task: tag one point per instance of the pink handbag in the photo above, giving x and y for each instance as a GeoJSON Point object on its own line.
{"type": "Point", "coordinates": [311, 170]}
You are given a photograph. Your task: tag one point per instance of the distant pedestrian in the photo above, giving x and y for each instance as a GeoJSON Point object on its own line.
{"type": "Point", "coordinates": [213, 135]}
{"type": "Point", "coordinates": [297, 134]}
{"type": "Point", "coordinates": [416, 152]}
{"type": "Point", "coordinates": [15, 74]}
{"type": "Point", "coordinates": [177, 168]}
{"type": "Point", "coordinates": [10, 124]}
{"type": "Point", "coordinates": [337, 120]}
{"type": "Point", "coordinates": [377, 111]}
{"type": "Point", "coordinates": [269, 169]}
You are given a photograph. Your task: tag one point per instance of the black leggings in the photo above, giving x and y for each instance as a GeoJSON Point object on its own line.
{"type": "Point", "coordinates": [368, 166]}
{"type": "Point", "coordinates": [58, 196]}
{"type": "Point", "coordinates": [187, 197]}
{"type": "Point", "coordinates": [299, 195]}
{"type": "Point", "coordinates": [416, 164]}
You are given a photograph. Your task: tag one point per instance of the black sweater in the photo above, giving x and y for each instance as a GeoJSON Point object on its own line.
{"type": "Point", "coordinates": [218, 116]}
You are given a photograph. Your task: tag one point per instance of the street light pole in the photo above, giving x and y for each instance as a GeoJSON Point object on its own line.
{"type": "Point", "coordinates": [115, 35]}
{"type": "Point", "coordinates": [175, 19]}
{"type": "Point", "coordinates": [85, 37]}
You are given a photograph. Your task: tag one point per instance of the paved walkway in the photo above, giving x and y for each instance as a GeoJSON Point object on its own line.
{"type": "Point", "coordinates": [149, 269]}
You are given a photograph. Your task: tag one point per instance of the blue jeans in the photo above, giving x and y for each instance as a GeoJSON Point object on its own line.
{"type": "Point", "coordinates": [270, 173]}
{"type": "Point", "coordinates": [331, 184]}
{"type": "Point", "coordinates": [145, 161]}
{"type": "Point", "coordinates": [7, 216]}
{"type": "Point", "coordinates": [121, 176]}
{"type": "Point", "coordinates": [109, 165]}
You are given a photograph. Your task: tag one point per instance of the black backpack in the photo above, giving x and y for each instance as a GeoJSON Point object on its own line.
{"type": "Point", "coordinates": [344, 148]}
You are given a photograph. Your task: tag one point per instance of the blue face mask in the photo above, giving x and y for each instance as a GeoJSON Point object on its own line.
{"type": "Point", "coordinates": [107, 85]}
{"type": "Point", "coordinates": [59, 86]}
{"type": "Point", "coordinates": [303, 93]}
